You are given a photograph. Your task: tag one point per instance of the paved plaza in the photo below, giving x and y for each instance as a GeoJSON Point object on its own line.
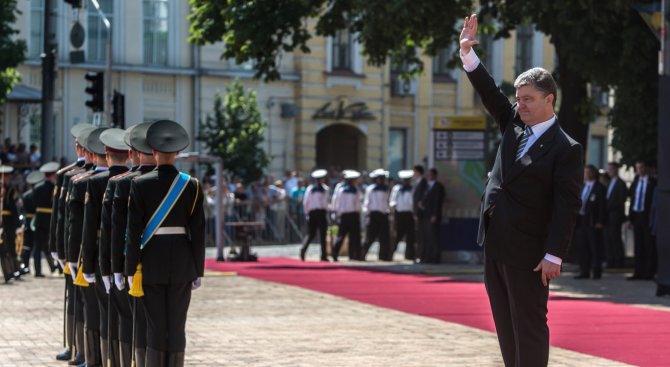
{"type": "Point", "coordinates": [238, 321]}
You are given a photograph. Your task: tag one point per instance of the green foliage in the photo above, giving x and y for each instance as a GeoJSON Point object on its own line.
{"type": "Point", "coordinates": [12, 51]}
{"type": "Point", "coordinates": [235, 132]}
{"type": "Point", "coordinates": [263, 30]}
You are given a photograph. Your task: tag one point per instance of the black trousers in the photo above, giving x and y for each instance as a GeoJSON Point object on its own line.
{"type": "Point", "coordinates": [614, 251]}
{"type": "Point", "coordinates": [317, 222]}
{"type": "Point", "coordinates": [405, 228]}
{"type": "Point", "coordinates": [91, 308]}
{"type": "Point", "coordinates": [124, 314]}
{"type": "Point", "coordinates": [107, 316]}
{"type": "Point", "coordinates": [166, 307]}
{"type": "Point", "coordinates": [377, 228]}
{"type": "Point", "coordinates": [431, 241]}
{"type": "Point", "coordinates": [519, 306]}
{"type": "Point", "coordinates": [41, 246]}
{"type": "Point", "coordinates": [350, 225]}
{"type": "Point", "coordinates": [588, 241]}
{"type": "Point", "coordinates": [644, 247]}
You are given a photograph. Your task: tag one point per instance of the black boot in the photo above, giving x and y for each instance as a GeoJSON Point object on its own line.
{"type": "Point", "coordinates": [78, 359]}
{"type": "Point", "coordinates": [65, 356]}
{"type": "Point", "coordinates": [125, 354]}
{"type": "Point", "coordinates": [140, 357]}
{"type": "Point", "coordinates": [93, 358]}
{"type": "Point", "coordinates": [155, 358]}
{"type": "Point", "coordinates": [114, 357]}
{"type": "Point", "coordinates": [176, 359]}
{"type": "Point", "coordinates": [104, 353]}
{"type": "Point", "coordinates": [25, 261]}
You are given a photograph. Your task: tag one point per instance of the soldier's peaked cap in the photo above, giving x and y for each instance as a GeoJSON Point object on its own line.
{"type": "Point", "coordinates": [50, 167]}
{"type": "Point", "coordinates": [405, 174]}
{"type": "Point", "coordinates": [138, 137]}
{"type": "Point", "coordinates": [319, 173]}
{"type": "Point", "coordinates": [93, 143]}
{"type": "Point", "coordinates": [167, 136]}
{"type": "Point", "coordinates": [6, 169]}
{"type": "Point", "coordinates": [34, 177]}
{"type": "Point", "coordinates": [83, 134]}
{"type": "Point", "coordinates": [113, 139]}
{"type": "Point", "coordinates": [76, 129]}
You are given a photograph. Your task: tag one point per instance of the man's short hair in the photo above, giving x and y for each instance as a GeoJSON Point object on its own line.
{"type": "Point", "coordinates": [540, 79]}
{"type": "Point", "coordinates": [594, 170]}
{"type": "Point", "coordinates": [419, 168]}
{"type": "Point", "coordinates": [615, 164]}
{"type": "Point", "coordinates": [433, 171]}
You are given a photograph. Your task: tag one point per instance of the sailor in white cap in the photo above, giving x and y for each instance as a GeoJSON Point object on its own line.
{"type": "Point", "coordinates": [376, 209]}
{"type": "Point", "coordinates": [346, 204]}
{"type": "Point", "coordinates": [315, 204]}
{"type": "Point", "coordinates": [402, 204]}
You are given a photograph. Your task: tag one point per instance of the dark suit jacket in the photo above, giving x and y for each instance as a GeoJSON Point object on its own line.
{"type": "Point", "coordinates": [536, 198]}
{"type": "Point", "coordinates": [42, 196]}
{"type": "Point", "coordinates": [648, 196]}
{"type": "Point", "coordinates": [616, 203]}
{"type": "Point", "coordinates": [417, 194]}
{"type": "Point", "coordinates": [596, 207]}
{"type": "Point", "coordinates": [432, 201]}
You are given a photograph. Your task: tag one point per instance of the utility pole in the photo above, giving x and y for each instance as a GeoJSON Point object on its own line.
{"type": "Point", "coordinates": [108, 69]}
{"type": "Point", "coordinates": [663, 190]}
{"type": "Point", "coordinates": [48, 79]}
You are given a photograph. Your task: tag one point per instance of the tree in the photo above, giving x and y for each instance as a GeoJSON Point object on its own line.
{"type": "Point", "coordinates": [235, 132]}
{"type": "Point", "coordinates": [12, 50]}
{"type": "Point", "coordinates": [595, 42]}
{"type": "Point", "coordinates": [262, 30]}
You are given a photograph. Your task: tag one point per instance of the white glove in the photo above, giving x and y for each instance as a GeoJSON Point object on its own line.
{"type": "Point", "coordinates": [118, 280]}
{"type": "Point", "coordinates": [73, 270]}
{"type": "Point", "coordinates": [130, 281]}
{"type": "Point", "coordinates": [54, 255]}
{"type": "Point", "coordinates": [90, 278]}
{"type": "Point", "coordinates": [197, 283]}
{"type": "Point", "coordinates": [107, 280]}
{"type": "Point", "coordinates": [62, 264]}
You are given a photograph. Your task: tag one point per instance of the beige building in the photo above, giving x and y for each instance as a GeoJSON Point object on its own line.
{"type": "Point", "coordinates": [330, 108]}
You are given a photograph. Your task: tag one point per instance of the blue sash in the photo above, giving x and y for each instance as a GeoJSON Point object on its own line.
{"type": "Point", "coordinates": [178, 186]}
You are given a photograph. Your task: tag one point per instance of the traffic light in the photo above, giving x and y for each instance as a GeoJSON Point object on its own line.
{"type": "Point", "coordinates": [96, 90]}
{"type": "Point", "coordinates": [76, 4]}
{"type": "Point", "coordinates": [119, 110]}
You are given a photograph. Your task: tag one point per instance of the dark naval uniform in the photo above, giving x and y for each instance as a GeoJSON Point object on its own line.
{"type": "Point", "coordinates": [376, 208]}
{"type": "Point", "coordinates": [402, 204]}
{"type": "Point", "coordinates": [173, 259]}
{"type": "Point", "coordinates": [42, 194]}
{"type": "Point", "coordinates": [315, 203]}
{"type": "Point", "coordinates": [347, 205]}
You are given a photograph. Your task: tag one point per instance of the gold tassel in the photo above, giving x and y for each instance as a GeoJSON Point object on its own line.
{"type": "Point", "coordinates": [66, 270]}
{"type": "Point", "coordinates": [136, 288]}
{"type": "Point", "coordinates": [79, 280]}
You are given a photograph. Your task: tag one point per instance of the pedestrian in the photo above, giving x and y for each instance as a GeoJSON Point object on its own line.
{"type": "Point", "coordinates": [617, 193]}
{"type": "Point", "coordinates": [315, 204]}
{"type": "Point", "coordinates": [402, 205]}
{"type": "Point", "coordinates": [346, 205]}
{"type": "Point", "coordinates": [28, 211]}
{"type": "Point", "coordinates": [418, 189]}
{"type": "Point", "coordinates": [529, 207]}
{"type": "Point", "coordinates": [376, 211]}
{"type": "Point", "coordinates": [9, 222]}
{"type": "Point", "coordinates": [590, 225]}
{"type": "Point", "coordinates": [42, 197]}
{"type": "Point", "coordinates": [430, 218]}
{"type": "Point", "coordinates": [166, 228]}
{"type": "Point", "coordinates": [641, 193]}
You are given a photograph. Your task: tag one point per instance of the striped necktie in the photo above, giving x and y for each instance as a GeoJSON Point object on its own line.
{"type": "Point", "coordinates": [524, 140]}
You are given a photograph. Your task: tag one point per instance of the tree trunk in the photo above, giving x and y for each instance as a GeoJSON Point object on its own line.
{"type": "Point", "coordinates": [573, 97]}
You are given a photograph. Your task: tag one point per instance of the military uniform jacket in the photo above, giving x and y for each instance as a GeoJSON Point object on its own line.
{"type": "Point", "coordinates": [10, 217]}
{"type": "Point", "coordinates": [120, 217]}
{"type": "Point", "coordinates": [104, 247]}
{"type": "Point", "coordinates": [96, 186]}
{"type": "Point", "coordinates": [53, 223]}
{"type": "Point", "coordinates": [75, 206]}
{"type": "Point", "coordinates": [28, 215]}
{"type": "Point", "coordinates": [42, 199]}
{"type": "Point", "coordinates": [62, 223]}
{"type": "Point", "coordinates": [166, 259]}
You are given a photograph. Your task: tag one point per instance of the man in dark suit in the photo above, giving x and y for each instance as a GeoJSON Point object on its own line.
{"type": "Point", "coordinates": [641, 194]}
{"type": "Point", "coordinates": [590, 224]}
{"type": "Point", "coordinates": [617, 193]}
{"type": "Point", "coordinates": [417, 193]}
{"type": "Point", "coordinates": [430, 218]}
{"type": "Point", "coordinates": [529, 207]}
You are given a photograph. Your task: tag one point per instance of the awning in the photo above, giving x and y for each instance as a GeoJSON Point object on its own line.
{"type": "Point", "coordinates": [24, 94]}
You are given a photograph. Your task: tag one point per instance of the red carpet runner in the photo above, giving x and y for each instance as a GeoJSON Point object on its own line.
{"type": "Point", "coordinates": [624, 333]}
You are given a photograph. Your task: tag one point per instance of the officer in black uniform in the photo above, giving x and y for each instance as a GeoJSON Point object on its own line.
{"type": "Point", "coordinates": [112, 152]}
{"type": "Point", "coordinates": [10, 222]}
{"type": "Point", "coordinates": [376, 209]}
{"type": "Point", "coordinates": [402, 203]}
{"type": "Point", "coordinates": [77, 200]}
{"type": "Point", "coordinates": [346, 205]}
{"type": "Point", "coordinates": [173, 259]}
{"type": "Point", "coordinates": [28, 213]}
{"type": "Point", "coordinates": [56, 238]}
{"type": "Point", "coordinates": [42, 193]}
{"type": "Point", "coordinates": [129, 307]}
{"type": "Point", "coordinates": [315, 204]}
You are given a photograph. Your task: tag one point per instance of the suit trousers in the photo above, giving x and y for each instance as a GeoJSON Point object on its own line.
{"type": "Point", "coordinates": [588, 242]}
{"type": "Point", "coordinates": [378, 228]}
{"type": "Point", "coordinates": [124, 314]}
{"type": "Point", "coordinates": [644, 247]}
{"type": "Point", "coordinates": [41, 246]}
{"type": "Point", "coordinates": [350, 225]}
{"type": "Point", "coordinates": [614, 246]}
{"type": "Point", "coordinates": [519, 306]}
{"type": "Point", "coordinates": [317, 222]}
{"type": "Point", "coordinates": [431, 241]}
{"type": "Point", "coordinates": [166, 307]}
{"type": "Point", "coordinates": [107, 316]}
{"type": "Point", "coordinates": [405, 228]}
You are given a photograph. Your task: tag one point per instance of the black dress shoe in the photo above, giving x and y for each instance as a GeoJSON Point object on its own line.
{"type": "Point", "coordinates": [65, 356]}
{"type": "Point", "coordinates": [39, 275]}
{"type": "Point", "coordinates": [302, 253]}
{"type": "Point", "coordinates": [582, 276]}
{"type": "Point", "coordinates": [78, 360]}
{"type": "Point", "coordinates": [325, 259]}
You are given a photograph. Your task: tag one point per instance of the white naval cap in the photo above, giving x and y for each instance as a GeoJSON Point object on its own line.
{"type": "Point", "coordinates": [405, 174]}
{"type": "Point", "coordinates": [350, 174]}
{"type": "Point", "coordinates": [319, 173]}
{"type": "Point", "coordinates": [379, 172]}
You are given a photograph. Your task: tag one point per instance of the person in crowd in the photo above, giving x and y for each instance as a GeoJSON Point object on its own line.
{"type": "Point", "coordinates": [641, 193]}
{"type": "Point", "coordinates": [346, 205]}
{"type": "Point", "coordinates": [376, 212]}
{"type": "Point", "coordinates": [402, 205]}
{"type": "Point", "coordinates": [418, 190]}
{"type": "Point", "coordinates": [315, 204]}
{"type": "Point", "coordinates": [616, 196]}
{"type": "Point", "coordinates": [590, 224]}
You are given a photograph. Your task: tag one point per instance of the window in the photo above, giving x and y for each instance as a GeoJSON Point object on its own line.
{"type": "Point", "coordinates": [597, 152]}
{"type": "Point", "coordinates": [342, 50]}
{"type": "Point", "coordinates": [524, 48]}
{"type": "Point", "coordinates": [441, 72]}
{"type": "Point", "coordinates": [155, 32]}
{"type": "Point", "coordinates": [97, 32]}
{"type": "Point", "coordinates": [36, 28]}
{"type": "Point", "coordinates": [397, 150]}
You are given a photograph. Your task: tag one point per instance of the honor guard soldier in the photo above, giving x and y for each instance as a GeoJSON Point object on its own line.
{"type": "Point", "coordinates": [42, 196]}
{"type": "Point", "coordinates": [402, 205]}
{"type": "Point", "coordinates": [111, 152]}
{"type": "Point", "coordinates": [166, 249]}
{"type": "Point", "coordinates": [133, 322]}
{"type": "Point", "coordinates": [28, 213]}
{"type": "Point", "coordinates": [376, 210]}
{"type": "Point", "coordinates": [79, 238]}
{"type": "Point", "coordinates": [10, 222]}
{"type": "Point", "coordinates": [56, 240]}
{"type": "Point", "coordinates": [315, 203]}
{"type": "Point", "coordinates": [346, 204]}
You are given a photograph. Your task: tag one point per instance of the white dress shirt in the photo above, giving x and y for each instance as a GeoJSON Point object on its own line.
{"type": "Point", "coordinates": [316, 198]}
{"type": "Point", "coordinates": [376, 199]}
{"type": "Point", "coordinates": [346, 199]}
{"type": "Point", "coordinates": [401, 198]}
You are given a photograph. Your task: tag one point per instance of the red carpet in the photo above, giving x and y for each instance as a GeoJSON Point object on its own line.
{"type": "Point", "coordinates": [619, 332]}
